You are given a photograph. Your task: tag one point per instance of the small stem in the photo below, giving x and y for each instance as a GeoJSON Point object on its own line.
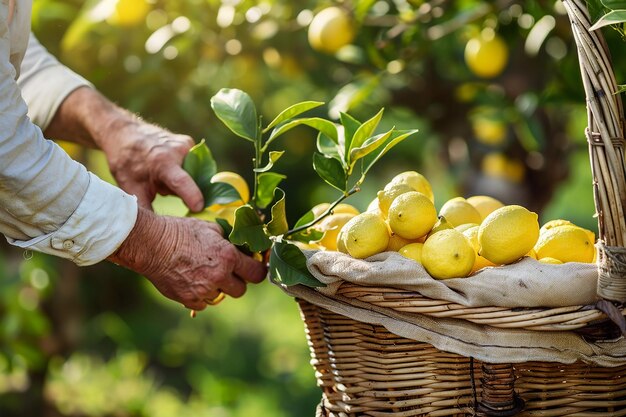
{"type": "Point", "coordinates": [328, 211]}
{"type": "Point", "coordinates": [258, 152]}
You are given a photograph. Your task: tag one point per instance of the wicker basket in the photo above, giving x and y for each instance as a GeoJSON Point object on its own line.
{"type": "Point", "coordinates": [364, 369]}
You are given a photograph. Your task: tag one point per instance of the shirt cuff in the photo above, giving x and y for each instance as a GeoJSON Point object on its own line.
{"type": "Point", "coordinates": [101, 222]}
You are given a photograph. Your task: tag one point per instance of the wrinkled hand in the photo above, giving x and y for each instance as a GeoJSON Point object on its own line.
{"type": "Point", "coordinates": [146, 159]}
{"type": "Point", "coordinates": [187, 259]}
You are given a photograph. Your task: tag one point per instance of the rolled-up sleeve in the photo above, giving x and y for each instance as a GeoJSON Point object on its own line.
{"type": "Point", "coordinates": [45, 83]}
{"type": "Point", "coordinates": [50, 203]}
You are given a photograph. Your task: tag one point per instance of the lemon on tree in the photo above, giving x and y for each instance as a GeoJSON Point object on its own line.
{"type": "Point", "coordinates": [567, 243]}
{"type": "Point", "coordinates": [388, 194]}
{"type": "Point", "coordinates": [365, 235]}
{"type": "Point", "coordinates": [448, 254]}
{"type": "Point", "coordinates": [486, 54]}
{"type": "Point", "coordinates": [416, 181]}
{"type": "Point", "coordinates": [458, 211]}
{"type": "Point", "coordinates": [508, 234]}
{"type": "Point", "coordinates": [412, 251]}
{"type": "Point", "coordinates": [412, 215]}
{"type": "Point", "coordinates": [484, 204]}
{"type": "Point", "coordinates": [129, 12]}
{"type": "Point", "coordinates": [331, 29]}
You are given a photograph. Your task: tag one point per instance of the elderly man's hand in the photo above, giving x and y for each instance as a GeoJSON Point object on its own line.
{"type": "Point", "coordinates": [187, 259]}
{"type": "Point", "coordinates": [146, 159]}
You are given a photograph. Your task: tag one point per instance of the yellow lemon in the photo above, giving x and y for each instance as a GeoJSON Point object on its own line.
{"type": "Point", "coordinates": [549, 260]}
{"type": "Point", "coordinates": [484, 204]}
{"type": "Point", "coordinates": [458, 211]}
{"type": "Point", "coordinates": [532, 253]}
{"type": "Point", "coordinates": [341, 241]}
{"type": "Point", "coordinates": [507, 234]}
{"type": "Point", "coordinates": [486, 55]}
{"type": "Point", "coordinates": [441, 224]}
{"type": "Point", "coordinates": [307, 245]}
{"type": "Point", "coordinates": [331, 225]}
{"type": "Point", "coordinates": [397, 242]}
{"type": "Point", "coordinates": [412, 215]}
{"type": "Point", "coordinates": [412, 251]}
{"type": "Point", "coordinates": [479, 262]}
{"type": "Point", "coordinates": [561, 222]}
{"type": "Point", "coordinates": [365, 235]}
{"type": "Point", "coordinates": [566, 243]}
{"type": "Point", "coordinates": [448, 254]}
{"type": "Point", "coordinates": [388, 194]}
{"type": "Point", "coordinates": [330, 30]}
{"type": "Point", "coordinates": [463, 227]}
{"type": "Point", "coordinates": [489, 131]}
{"type": "Point", "coordinates": [237, 182]}
{"type": "Point", "coordinates": [129, 12]}
{"type": "Point", "coordinates": [319, 209]}
{"type": "Point", "coordinates": [416, 181]}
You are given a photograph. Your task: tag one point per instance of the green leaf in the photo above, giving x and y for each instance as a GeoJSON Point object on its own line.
{"type": "Point", "coordinates": [369, 146]}
{"type": "Point", "coordinates": [288, 266]}
{"type": "Point", "coordinates": [278, 225]}
{"type": "Point", "coordinates": [350, 126]}
{"type": "Point", "coordinates": [226, 227]}
{"type": "Point", "coordinates": [322, 125]}
{"type": "Point", "coordinates": [274, 156]}
{"type": "Point", "coordinates": [611, 18]}
{"type": "Point", "coordinates": [200, 165]}
{"type": "Point", "coordinates": [330, 170]}
{"type": "Point", "coordinates": [249, 230]}
{"type": "Point", "coordinates": [326, 146]}
{"type": "Point", "coordinates": [310, 235]}
{"type": "Point", "coordinates": [267, 183]}
{"type": "Point", "coordinates": [396, 137]}
{"type": "Point", "coordinates": [614, 4]}
{"type": "Point", "coordinates": [236, 110]}
{"type": "Point", "coordinates": [219, 193]}
{"type": "Point", "coordinates": [366, 130]}
{"type": "Point", "coordinates": [293, 111]}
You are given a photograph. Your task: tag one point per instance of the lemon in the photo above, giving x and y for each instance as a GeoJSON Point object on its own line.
{"type": "Point", "coordinates": [448, 254]}
{"type": "Point", "coordinates": [365, 235]}
{"type": "Point", "coordinates": [330, 30]}
{"type": "Point", "coordinates": [389, 193]}
{"type": "Point", "coordinates": [397, 242]}
{"type": "Point", "coordinates": [463, 227]}
{"type": "Point", "coordinates": [412, 215]}
{"type": "Point", "coordinates": [331, 225]}
{"type": "Point", "coordinates": [484, 204]}
{"type": "Point", "coordinates": [507, 234]}
{"type": "Point", "coordinates": [441, 224]}
{"type": "Point", "coordinates": [237, 182]}
{"type": "Point", "coordinates": [567, 243]}
{"type": "Point", "coordinates": [319, 209]}
{"type": "Point", "coordinates": [489, 131]}
{"type": "Point", "coordinates": [412, 251]}
{"type": "Point", "coordinates": [479, 262]}
{"type": "Point", "coordinates": [416, 181]}
{"type": "Point", "coordinates": [549, 260]}
{"type": "Point", "coordinates": [307, 245]}
{"type": "Point", "coordinates": [498, 165]}
{"type": "Point", "coordinates": [561, 222]}
{"type": "Point", "coordinates": [487, 54]}
{"type": "Point", "coordinates": [341, 241]}
{"type": "Point", "coordinates": [532, 253]}
{"type": "Point", "coordinates": [458, 211]}
{"type": "Point", "coordinates": [129, 12]}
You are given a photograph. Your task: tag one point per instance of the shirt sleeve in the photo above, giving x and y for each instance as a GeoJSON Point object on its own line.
{"type": "Point", "coordinates": [48, 202]}
{"type": "Point", "coordinates": [45, 83]}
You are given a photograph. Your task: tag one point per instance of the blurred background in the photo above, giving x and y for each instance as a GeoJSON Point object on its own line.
{"type": "Point", "coordinates": [100, 341]}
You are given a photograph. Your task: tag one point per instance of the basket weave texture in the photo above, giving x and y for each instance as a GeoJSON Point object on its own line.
{"type": "Point", "coordinates": [364, 369]}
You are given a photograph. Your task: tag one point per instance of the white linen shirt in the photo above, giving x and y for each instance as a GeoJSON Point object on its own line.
{"type": "Point", "coordinates": [48, 202]}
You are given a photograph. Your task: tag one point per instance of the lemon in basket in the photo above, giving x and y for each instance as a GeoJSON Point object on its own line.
{"type": "Point", "coordinates": [561, 222]}
{"type": "Point", "coordinates": [566, 243]}
{"type": "Point", "coordinates": [549, 260]}
{"type": "Point", "coordinates": [458, 211]}
{"type": "Point", "coordinates": [397, 242]}
{"type": "Point", "coordinates": [388, 194]}
{"type": "Point", "coordinates": [479, 262]}
{"type": "Point", "coordinates": [412, 215]}
{"type": "Point", "coordinates": [412, 251]}
{"type": "Point", "coordinates": [448, 254]}
{"type": "Point", "coordinates": [331, 225]}
{"type": "Point", "coordinates": [508, 234]}
{"type": "Point", "coordinates": [365, 235]}
{"type": "Point", "coordinates": [484, 204]}
{"type": "Point", "coordinates": [416, 181]}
